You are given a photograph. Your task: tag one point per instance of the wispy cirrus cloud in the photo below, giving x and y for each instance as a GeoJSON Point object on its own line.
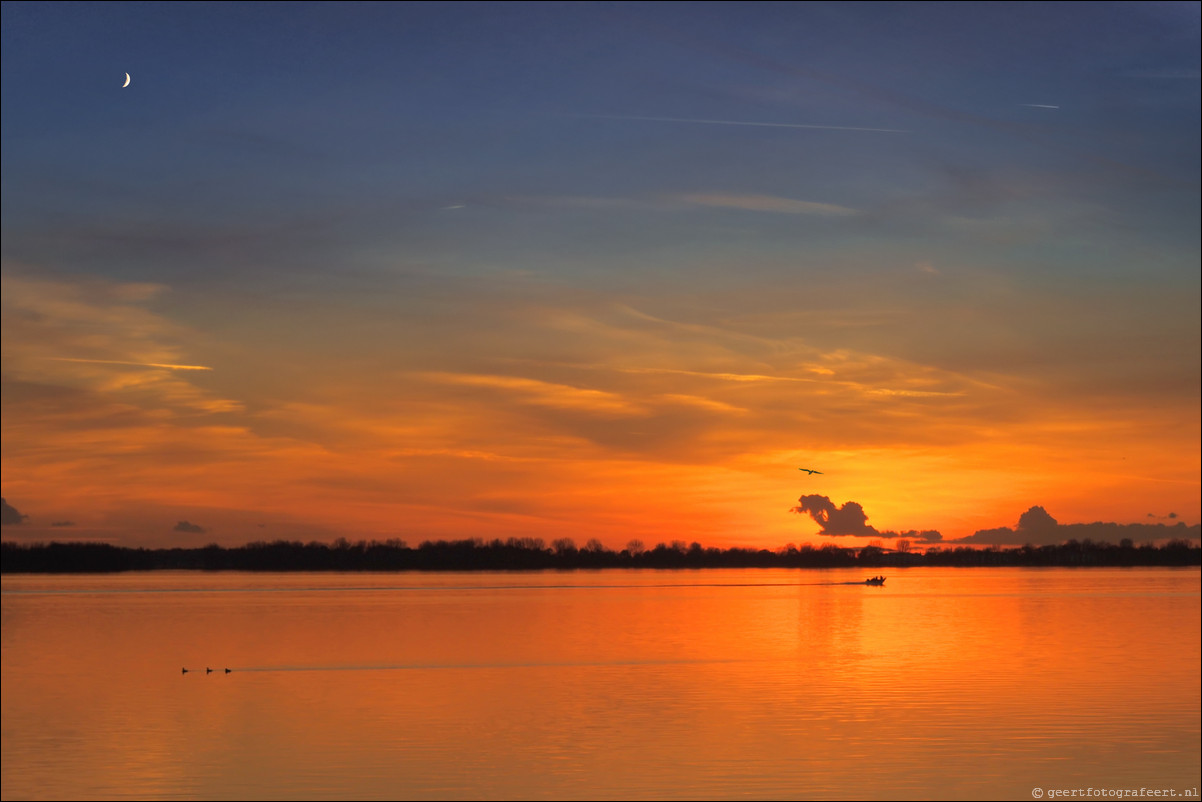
{"type": "Point", "coordinates": [719, 351]}
{"type": "Point", "coordinates": [747, 123]}
{"type": "Point", "coordinates": [701, 402]}
{"type": "Point", "coordinates": [764, 203]}
{"type": "Point", "coordinates": [100, 338]}
{"type": "Point", "coordinates": [685, 201]}
{"type": "Point", "coordinates": [132, 364]}
{"type": "Point", "coordinates": [715, 375]}
{"type": "Point", "coordinates": [543, 393]}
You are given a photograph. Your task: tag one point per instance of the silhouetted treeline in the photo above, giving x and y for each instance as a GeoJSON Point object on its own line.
{"type": "Point", "coordinates": [532, 554]}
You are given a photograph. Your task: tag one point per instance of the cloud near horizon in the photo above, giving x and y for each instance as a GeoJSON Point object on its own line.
{"type": "Point", "coordinates": [9, 515]}
{"type": "Point", "coordinates": [850, 520]}
{"type": "Point", "coordinates": [1037, 528]}
{"type": "Point", "coordinates": [189, 527]}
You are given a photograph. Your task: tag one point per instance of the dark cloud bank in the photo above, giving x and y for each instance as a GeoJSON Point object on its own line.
{"type": "Point", "coordinates": [1035, 527]}
{"type": "Point", "coordinates": [1038, 528]}
{"type": "Point", "coordinates": [9, 515]}
{"type": "Point", "coordinates": [189, 527]}
{"type": "Point", "coordinates": [851, 520]}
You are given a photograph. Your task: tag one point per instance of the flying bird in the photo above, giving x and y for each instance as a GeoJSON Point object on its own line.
{"type": "Point", "coordinates": [809, 471]}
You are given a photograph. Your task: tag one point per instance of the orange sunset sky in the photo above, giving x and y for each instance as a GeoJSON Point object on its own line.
{"type": "Point", "coordinates": [596, 272]}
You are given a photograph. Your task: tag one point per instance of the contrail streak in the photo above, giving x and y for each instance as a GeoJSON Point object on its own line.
{"type": "Point", "coordinates": [135, 364]}
{"type": "Point", "coordinates": [1038, 106]}
{"type": "Point", "coordinates": [740, 122]}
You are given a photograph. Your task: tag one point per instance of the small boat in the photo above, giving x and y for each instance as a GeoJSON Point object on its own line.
{"type": "Point", "coordinates": [876, 580]}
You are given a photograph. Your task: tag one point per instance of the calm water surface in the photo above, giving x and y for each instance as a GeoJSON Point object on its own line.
{"type": "Point", "coordinates": [945, 683]}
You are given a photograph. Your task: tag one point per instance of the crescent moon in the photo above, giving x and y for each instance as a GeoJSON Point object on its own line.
{"type": "Point", "coordinates": [126, 81]}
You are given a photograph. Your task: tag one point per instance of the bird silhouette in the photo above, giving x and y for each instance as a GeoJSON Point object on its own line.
{"type": "Point", "coordinates": [810, 471]}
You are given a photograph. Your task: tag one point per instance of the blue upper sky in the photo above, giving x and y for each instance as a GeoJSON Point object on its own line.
{"type": "Point", "coordinates": [323, 123]}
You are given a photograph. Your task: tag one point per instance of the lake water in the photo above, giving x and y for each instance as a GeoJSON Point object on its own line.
{"type": "Point", "coordinates": [944, 683]}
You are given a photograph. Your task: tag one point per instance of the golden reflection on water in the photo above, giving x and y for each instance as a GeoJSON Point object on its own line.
{"type": "Point", "coordinates": [945, 683]}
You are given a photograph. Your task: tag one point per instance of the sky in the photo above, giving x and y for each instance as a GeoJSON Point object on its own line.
{"type": "Point", "coordinates": [599, 270]}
